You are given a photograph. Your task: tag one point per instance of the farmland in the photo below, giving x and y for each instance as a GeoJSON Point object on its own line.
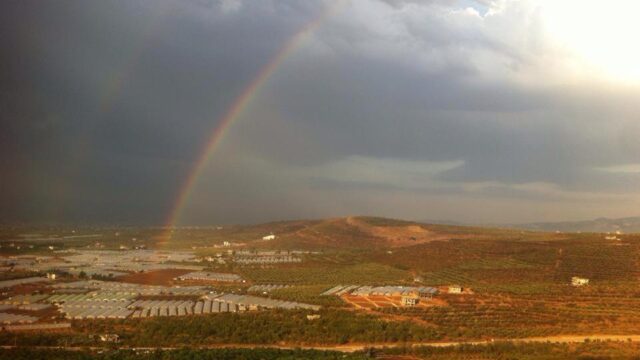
{"type": "Point", "coordinates": [516, 284]}
{"type": "Point", "coordinates": [368, 273]}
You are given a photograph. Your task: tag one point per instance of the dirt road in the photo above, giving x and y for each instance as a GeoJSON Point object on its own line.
{"type": "Point", "coordinates": [359, 347]}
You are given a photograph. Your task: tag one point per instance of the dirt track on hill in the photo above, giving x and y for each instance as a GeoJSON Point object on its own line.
{"type": "Point", "coordinates": [397, 236]}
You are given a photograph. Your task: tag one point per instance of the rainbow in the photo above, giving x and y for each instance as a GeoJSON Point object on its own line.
{"type": "Point", "coordinates": [235, 110]}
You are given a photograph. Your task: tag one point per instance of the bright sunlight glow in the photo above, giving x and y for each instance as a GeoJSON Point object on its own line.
{"type": "Point", "coordinates": [602, 36]}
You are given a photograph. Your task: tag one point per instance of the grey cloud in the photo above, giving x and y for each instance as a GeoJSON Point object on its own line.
{"type": "Point", "coordinates": [113, 100]}
{"type": "Point", "coordinates": [107, 104]}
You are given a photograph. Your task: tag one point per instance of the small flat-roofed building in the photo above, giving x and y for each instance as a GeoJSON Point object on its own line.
{"type": "Point", "coordinates": [427, 292]}
{"type": "Point", "coordinates": [409, 301]}
{"type": "Point", "coordinates": [578, 281]}
{"type": "Point", "coordinates": [109, 338]}
{"type": "Point", "coordinates": [455, 289]}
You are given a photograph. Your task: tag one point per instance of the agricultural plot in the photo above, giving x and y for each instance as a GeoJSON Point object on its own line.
{"type": "Point", "coordinates": [105, 263]}
{"type": "Point", "coordinates": [102, 296]}
{"type": "Point", "coordinates": [520, 281]}
{"type": "Point", "coordinates": [381, 301]}
{"type": "Point", "coordinates": [448, 276]}
{"type": "Point", "coordinates": [30, 280]}
{"type": "Point", "coordinates": [7, 318]}
{"type": "Point", "coordinates": [24, 299]}
{"type": "Point", "coordinates": [95, 299]}
{"type": "Point", "coordinates": [598, 260]}
{"type": "Point", "coordinates": [152, 308]}
{"type": "Point", "coordinates": [33, 307]}
{"type": "Point", "coordinates": [496, 264]}
{"type": "Point", "coordinates": [82, 310]}
{"type": "Point", "coordinates": [370, 297]}
{"type": "Point", "coordinates": [562, 310]}
{"type": "Point", "coordinates": [95, 272]}
{"type": "Point", "coordinates": [421, 291]}
{"type": "Point", "coordinates": [365, 273]}
{"type": "Point", "coordinates": [254, 303]}
{"type": "Point", "coordinates": [501, 265]}
{"type": "Point", "coordinates": [309, 294]}
{"type": "Point", "coordinates": [266, 288]}
{"type": "Point", "coordinates": [130, 289]}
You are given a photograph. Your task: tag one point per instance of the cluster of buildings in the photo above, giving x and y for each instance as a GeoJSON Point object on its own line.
{"type": "Point", "coordinates": [42, 302]}
{"type": "Point", "coordinates": [102, 263]}
{"type": "Point", "coordinates": [250, 302]}
{"type": "Point", "coordinates": [23, 281]}
{"type": "Point", "coordinates": [256, 257]}
{"type": "Point", "coordinates": [266, 288]}
{"type": "Point", "coordinates": [263, 260]}
{"type": "Point", "coordinates": [409, 295]}
{"type": "Point", "coordinates": [421, 292]}
{"type": "Point", "coordinates": [212, 303]}
{"type": "Point", "coordinates": [8, 318]}
{"type": "Point", "coordinates": [24, 304]}
{"type": "Point", "coordinates": [268, 257]}
{"type": "Point", "coordinates": [96, 299]}
{"type": "Point", "coordinates": [159, 308]}
{"type": "Point", "coordinates": [81, 310]}
{"type": "Point", "coordinates": [210, 276]}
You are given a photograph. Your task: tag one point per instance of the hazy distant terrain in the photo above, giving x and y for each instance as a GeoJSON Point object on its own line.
{"type": "Point", "coordinates": [602, 225]}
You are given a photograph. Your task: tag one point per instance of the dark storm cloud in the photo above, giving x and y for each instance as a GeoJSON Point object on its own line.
{"type": "Point", "coordinates": [503, 134]}
{"type": "Point", "coordinates": [403, 108]}
{"type": "Point", "coordinates": [105, 104]}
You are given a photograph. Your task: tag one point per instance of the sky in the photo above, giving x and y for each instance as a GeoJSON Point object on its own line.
{"type": "Point", "coordinates": [487, 111]}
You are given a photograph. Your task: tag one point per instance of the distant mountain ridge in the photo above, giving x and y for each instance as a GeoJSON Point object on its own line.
{"type": "Point", "coordinates": [600, 225]}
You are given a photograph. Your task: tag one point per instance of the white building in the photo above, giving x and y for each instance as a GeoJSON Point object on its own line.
{"type": "Point", "coordinates": [578, 281]}
{"type": "Point", "coordinates": [409, 301]}
{"type": "Point", "coordinates": [455, 289]}
{"type": "Point", "coordinates": [269, 237]}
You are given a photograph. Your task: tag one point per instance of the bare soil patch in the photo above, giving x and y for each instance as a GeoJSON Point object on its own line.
{"type": "Point", "coordinates": [399, 236]}
{"type": "Point", "coordinates": [157, 277]}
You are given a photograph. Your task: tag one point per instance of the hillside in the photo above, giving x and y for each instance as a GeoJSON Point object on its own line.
{"type": "Point", "coordinates": [354, 232]}
{"type": "Point", "coordinates": [358, 232]}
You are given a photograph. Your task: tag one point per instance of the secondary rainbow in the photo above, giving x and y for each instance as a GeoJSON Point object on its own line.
{"type": "Point", "coordinates": [236, 109]}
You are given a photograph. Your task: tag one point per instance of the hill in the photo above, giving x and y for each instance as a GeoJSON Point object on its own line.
{"type": "Point", "coordinates": [355, 233]}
